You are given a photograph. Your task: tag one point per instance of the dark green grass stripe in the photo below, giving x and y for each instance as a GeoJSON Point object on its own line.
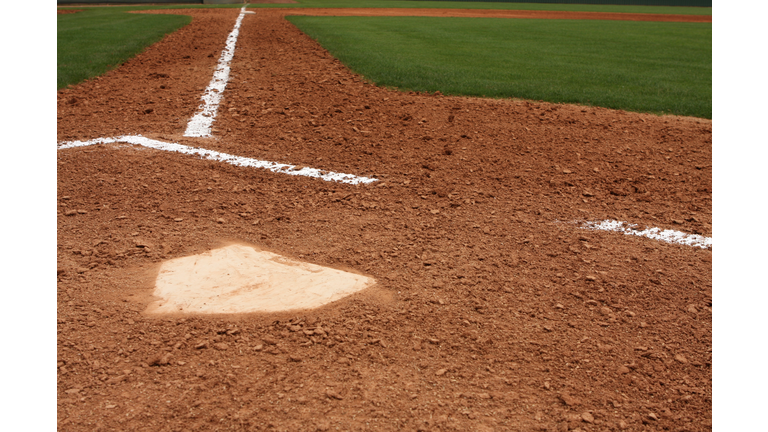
{"type": "Point", "coordinates": [635, 66]}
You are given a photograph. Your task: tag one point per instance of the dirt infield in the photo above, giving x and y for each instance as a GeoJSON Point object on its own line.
{"type": "Point", "coordinates": [493, 309]}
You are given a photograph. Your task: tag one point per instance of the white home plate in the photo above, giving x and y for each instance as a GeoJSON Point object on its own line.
{"type": "Point", "coordinates": [241, 279]}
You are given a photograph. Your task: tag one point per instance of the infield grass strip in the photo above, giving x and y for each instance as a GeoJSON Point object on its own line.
{"type": "Point", "coordinates": [91, 42]}
{"type": "Point", "coordinates": [636, 66]}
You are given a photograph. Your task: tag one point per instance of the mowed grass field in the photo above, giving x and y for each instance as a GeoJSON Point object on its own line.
{"type": "Point", "coordinates": [636, 66]}
{"type": "Point", "coordinates": [675, 10]}
{"type": "Point", "coordinates": [91, 42]}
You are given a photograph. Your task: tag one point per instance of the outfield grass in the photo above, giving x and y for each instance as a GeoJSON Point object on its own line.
{"type": "Point", "coordinates": [652, 67]}
{"type": "Point", "coordinates": [411, 4]}
{"type": "Point", "coordinates": [636, 66]}
{"type": "Point", "coordinates": [679, 10]}
{"type": "Point", "coordinates": [91, 42]}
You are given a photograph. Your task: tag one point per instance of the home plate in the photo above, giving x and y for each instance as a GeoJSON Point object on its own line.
{"type": "Point", "coordinates": [241, 279]}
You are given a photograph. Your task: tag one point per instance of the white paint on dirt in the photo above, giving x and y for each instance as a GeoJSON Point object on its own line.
{"type": "Point", "coordinates": [669, 236]}
{"type": "Point", "coordinates": [241, 279]}
{"type": "Point", "coordinates": [224, 157]}
{"type": "Point", "coordinates": [201, 122]}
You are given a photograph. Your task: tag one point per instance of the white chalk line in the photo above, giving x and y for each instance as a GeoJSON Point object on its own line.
{"type": "Point", "coordinates": [224, 157]}
{"type": "Point", "coordinates": [200, 124]}
{"type": "Point", "coordinates": [669, 236]}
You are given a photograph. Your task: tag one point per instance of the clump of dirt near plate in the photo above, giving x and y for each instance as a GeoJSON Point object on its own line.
{"type": "Point", "coordinates": [241, 279]}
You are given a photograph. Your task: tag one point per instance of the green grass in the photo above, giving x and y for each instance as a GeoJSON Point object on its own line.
{"type": "Point", "coordinates": [410, 4]}
{"type": "Point", "coordinates": [493, 5]}
{"type": "Point", "coordinates": [91, 42]}
{"type": "Point", "coordinates": [636, 66]}
{"type": "Point", "coordinates": [653, 67]}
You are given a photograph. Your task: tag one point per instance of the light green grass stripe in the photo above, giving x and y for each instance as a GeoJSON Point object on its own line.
{"type": "Point", "coordinates": [635, 66]}
{"type": "Point", "coordinates": [91, 42]}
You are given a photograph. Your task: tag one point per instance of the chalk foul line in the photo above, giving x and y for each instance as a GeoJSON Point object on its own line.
{"type": "Point", "coordinates": [669, 236]}
{"type": "Point", "coordinates": [200, 124]}
{"type": "Point", "coordinates": [223, 157]}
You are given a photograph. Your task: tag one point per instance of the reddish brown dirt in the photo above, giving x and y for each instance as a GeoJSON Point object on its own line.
{"type": "Point", "coordinates": [67, 11]}
{"type": "Point", "coordinates": [492, 312]}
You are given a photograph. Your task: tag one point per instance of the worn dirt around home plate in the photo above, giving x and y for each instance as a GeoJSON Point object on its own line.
{"type": "Point", "coordinates": [493, 311]}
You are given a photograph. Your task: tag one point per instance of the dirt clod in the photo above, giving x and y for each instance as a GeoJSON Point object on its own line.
{"type": "Point", "coordinates": [159, 359]}
{"type": "Point", "coordinates": [569, 400]}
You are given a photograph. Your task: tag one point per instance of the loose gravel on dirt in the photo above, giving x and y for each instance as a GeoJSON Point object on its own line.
{"type": "Point", "coordinates": [493, 310]}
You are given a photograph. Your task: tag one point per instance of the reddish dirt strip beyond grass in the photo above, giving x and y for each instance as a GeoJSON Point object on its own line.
{"type": "Point", "coordinates": [493, 311]}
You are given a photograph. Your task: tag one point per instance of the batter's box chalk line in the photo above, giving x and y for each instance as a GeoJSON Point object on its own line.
{"type": "Point", "coordinates": [669, 236]}
{"type": "Point", "coordinates": [224, 157]}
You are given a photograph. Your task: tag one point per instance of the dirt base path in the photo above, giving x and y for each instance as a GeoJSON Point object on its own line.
{"type": "Point", "coordinates": [493, 309]}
